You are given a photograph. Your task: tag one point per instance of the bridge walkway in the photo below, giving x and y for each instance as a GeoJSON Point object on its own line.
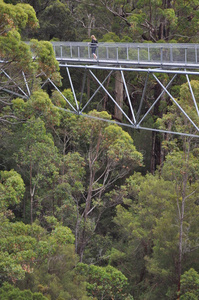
{"type": "Point", "coordinates": [130, 54]}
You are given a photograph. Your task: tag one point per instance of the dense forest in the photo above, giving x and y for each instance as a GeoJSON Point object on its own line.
{"type": "Point", "coordinates": [90, 209]}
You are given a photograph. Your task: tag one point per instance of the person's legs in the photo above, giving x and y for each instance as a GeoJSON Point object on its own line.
{"type": "Point", "coordinates": [93, 52]}
{"type": "Point", "coordinates": [95, 56]}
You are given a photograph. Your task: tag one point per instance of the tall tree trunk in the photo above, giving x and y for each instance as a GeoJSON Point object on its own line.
{"type": "Point", "coordinates": [118, 95]}
{"type": "Point", "coordinates": [156, 138]}
{"type": "Point", "coordinates": [181, 215]}
{"type": "Point", "coordinates": [93, 155]}
{"type": "Point", "coordinates": [31, 196]}
{"type": "Point", "coordinates": [106, 96]}
{"type": "Point", "coordinates": [157, 153]}
{"type": "Point", "coordinates": [88, 88]}
{"type": "Point", "coordinates": [181, 218]}
{"type": "Point", "coordinates": [31, 206]}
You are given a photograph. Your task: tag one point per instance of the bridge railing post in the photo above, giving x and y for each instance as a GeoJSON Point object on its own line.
{"type": "Point", "coordinates": [161, 55]}
{"type": "Point", "coordinates": [71, 51]}
{"type": "Point", "coordinates": [78, 52]}
{"type": "Point", "coordinates": [196, 54]}
{"type": "Point", "coordinates": [138, 54]}
{"type": "Point", "coordinates": [148, 53]}
{"type": "Point", "coordinates": [185, 54]}
{"type": "Point", "coordinates": [61, 51]}
{"type": "Point", "coordinates": [89, 54]}
{"type": "Point", "coordinates": [107, 56]}
{"type": "Point", "coordinates": [171, 53]}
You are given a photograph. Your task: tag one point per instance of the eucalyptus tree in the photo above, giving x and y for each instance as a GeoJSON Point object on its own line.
{"type": "Point", "coordinates": [105, 154]}
{"type": "Point", "coordinates": [15, 54]}
{"type": "Point", "coordinates": [146, 200]}
{"type": "Point", "coordinates": [157, 229]}
{"type": "Point", "coordinates": [182, 168]}
{"type": "Point", "coordinates": [183, 157]}
{"type": "Point", "coordinates": [56, 21]}
{"type": "Point", "coordinates": [37, 159]}
{"type": "Point", "coordinates": [157, 20]}
{"type": "Point", "coordinates": [20, 74]}
{"type": "Point", "coordinates": [91, 18]}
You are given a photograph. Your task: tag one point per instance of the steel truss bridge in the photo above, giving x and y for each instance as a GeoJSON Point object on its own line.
{"type": "Point", "coordinates": [148, 58]}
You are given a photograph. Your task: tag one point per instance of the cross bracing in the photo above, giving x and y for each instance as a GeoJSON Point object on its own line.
{"type": "Point", "coordinates": [151, 60]}
{"type": "Point", "coordinates": [137, 118]}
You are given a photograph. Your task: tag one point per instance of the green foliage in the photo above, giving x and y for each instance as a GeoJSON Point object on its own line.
{"type": "Point", "coordinates": [58, 100]}
{"type": "Point", "coordinates": [9, 292]}
{"type": "Point", "coordinates": [106, 282]}
{"type": "Point", "coordinates": [175, 118]}
{"type": "Point", "coordinates": [62, 235]}
{"type": "Point", "coordinates": [55, 276]}
{"type": "Point", "coordinates": [121, 147]}
{"type": "Point", "coordinates": [17, 16]}
{"type": "Point", "coordinates": [45, 58]}
{"type": "Point", "coordinates": [37, 144]}
{"type": "Point", "coordinates": [55, 22]}
{"type": "Point", "coordinates": [9, 268]}
{"type": "Point", "coordinates": [149, 231]}
{"type": "Point", "coordinates": [12, 19]}
{"type": "Point", "coordinates": [110, 37]}
{"type": "Point", "coordinates": [189, 285]}
{"type": "Point", "coordinates": [25, 247]}
{"type": "Point", "coordinates": [13, 49]}
{"type": "Point", "coordinates": [11, 189]}
{"type": "Point", "coordinates": [38, 105]}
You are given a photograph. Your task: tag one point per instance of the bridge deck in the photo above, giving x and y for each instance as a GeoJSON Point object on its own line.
{"type": "Point", "coordinates": [150, 55]}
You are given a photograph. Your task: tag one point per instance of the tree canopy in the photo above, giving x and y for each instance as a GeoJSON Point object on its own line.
{"type": "Point", "coordinates": [85, 213]}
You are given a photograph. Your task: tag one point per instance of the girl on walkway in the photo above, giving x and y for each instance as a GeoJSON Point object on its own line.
{"type": "Point", "coordinates": [94, 45]}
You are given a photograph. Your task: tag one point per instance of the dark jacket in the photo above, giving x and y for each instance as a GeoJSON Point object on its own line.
{"type": "Point", "coordinates": [94, 43]}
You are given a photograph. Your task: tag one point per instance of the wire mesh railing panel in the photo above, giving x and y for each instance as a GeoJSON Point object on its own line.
{"type": "Point", "coordinates": [132, 53]}
{"type": "Point", "coordinates": [179, 55]}
{"type": "Point", "coordinates": [57, 50]}
{"type": "Point", "coordinates": [122, 53]}
{"type": "Point", "coordinates": [155, 54]}
{"type": "Point", "coordinates": [191, 56]}
{"type": "Point", "coordinates": [66, 51]}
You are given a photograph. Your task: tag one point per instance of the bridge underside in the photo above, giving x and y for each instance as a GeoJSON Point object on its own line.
{"type": "Point", "coordinates": [137, 117]}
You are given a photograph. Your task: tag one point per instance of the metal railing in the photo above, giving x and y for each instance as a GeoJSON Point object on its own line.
{"type": "Point", "coordinates": [142, 54]}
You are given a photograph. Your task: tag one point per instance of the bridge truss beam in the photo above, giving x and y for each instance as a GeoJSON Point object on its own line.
{"type": "Point", "coordinates": [136, 118]}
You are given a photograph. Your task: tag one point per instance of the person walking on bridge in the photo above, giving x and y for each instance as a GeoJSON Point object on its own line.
{"type": "Point", "coordinates": [94, 43]}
